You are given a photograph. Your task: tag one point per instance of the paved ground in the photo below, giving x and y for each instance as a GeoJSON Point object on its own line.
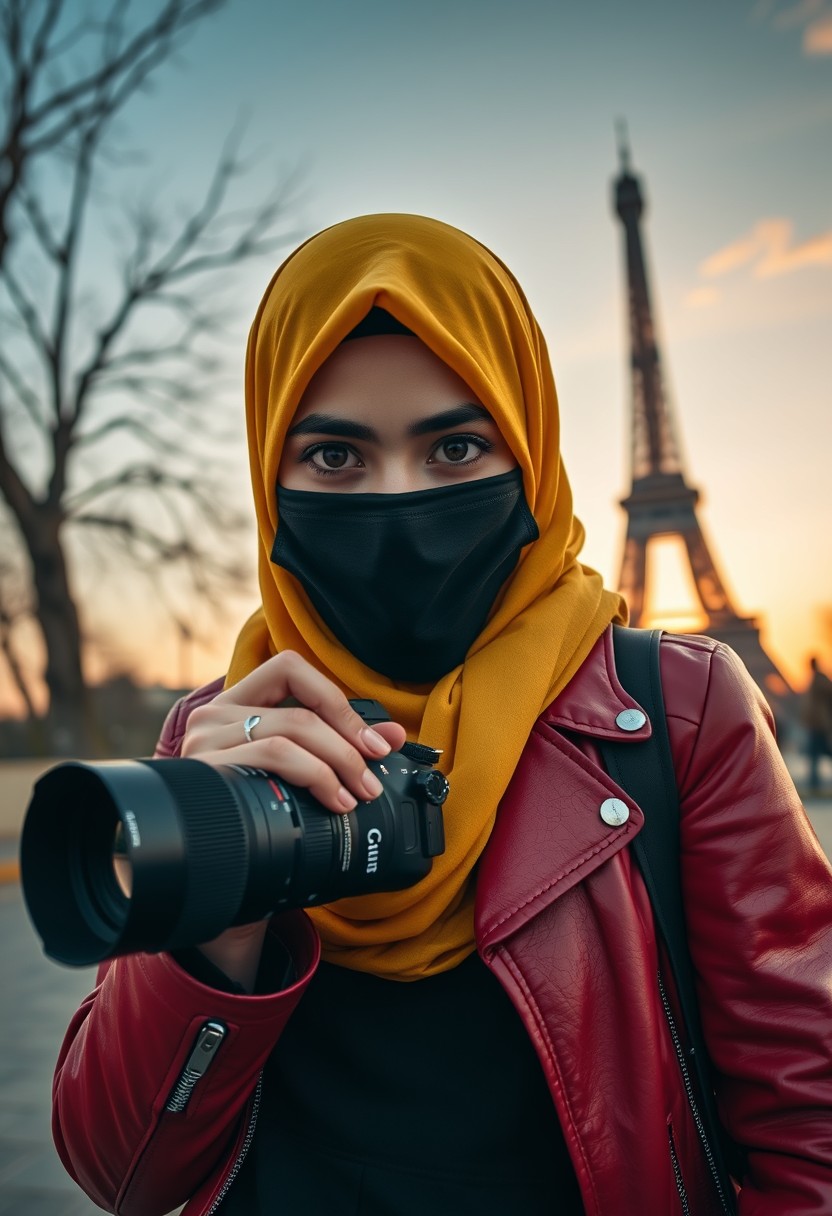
{"type": "Point", "coordinates": [35, 1007]}
{"type": "Point", "coordinates": [36, 1003]}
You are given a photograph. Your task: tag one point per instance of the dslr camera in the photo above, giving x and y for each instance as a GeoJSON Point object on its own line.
{"type": "Point", "coordinates": [157, 855]}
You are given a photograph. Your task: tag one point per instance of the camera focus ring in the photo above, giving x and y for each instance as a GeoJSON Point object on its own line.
{"type": "Point", "coordinates": [321, 843]}
{"type": "Point", "coordinates": [214, 837]}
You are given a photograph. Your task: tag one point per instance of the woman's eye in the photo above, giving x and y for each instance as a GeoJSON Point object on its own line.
{"type": "Point", "coordinates": [461, 449]}
{"type": "Point", "coordinates": [330, 458]}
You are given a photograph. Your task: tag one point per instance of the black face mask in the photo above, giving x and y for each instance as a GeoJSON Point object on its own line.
{"type": "Point", "coordinates": [405, 581]}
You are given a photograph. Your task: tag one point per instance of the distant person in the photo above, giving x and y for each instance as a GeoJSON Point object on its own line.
{"type": "Point", "coordinates": [502, 1038]}
{"type": "Point", "coordinates": [817, 718]}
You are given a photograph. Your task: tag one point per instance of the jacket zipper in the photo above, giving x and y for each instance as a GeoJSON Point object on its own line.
{"type": "Point", "coordinates": [244, 1147]}
{"type": "Point", "coordinates": [697, 1118]}
{"type": "Point", "coordinates": [677, 1170]}
{"type": "Point", "coordinates": [204, 1053]}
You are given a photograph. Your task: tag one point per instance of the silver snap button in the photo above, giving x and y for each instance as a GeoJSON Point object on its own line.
{"type": "Point", "coordinates": [630, 719]}
{"type": "Point", "coordinates": [614, 812]}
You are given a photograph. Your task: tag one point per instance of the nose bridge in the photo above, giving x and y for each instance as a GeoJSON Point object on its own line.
{"type": "Point", "coordinates": [398, 470]}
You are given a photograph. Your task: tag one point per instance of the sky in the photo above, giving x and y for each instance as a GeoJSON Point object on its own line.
{"type": "Point", "coordinates": [500, 119]}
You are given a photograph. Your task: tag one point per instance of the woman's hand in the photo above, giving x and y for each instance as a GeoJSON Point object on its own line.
{"type": "Point", "coordinates": [309, 735]}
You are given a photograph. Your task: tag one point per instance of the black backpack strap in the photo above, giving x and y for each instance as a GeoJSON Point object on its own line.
{"type": "Point", "coordinates": [645, 771]}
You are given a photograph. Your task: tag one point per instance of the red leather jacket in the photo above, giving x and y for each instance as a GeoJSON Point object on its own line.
{"type": "Point", "coordinates": [564, 922]}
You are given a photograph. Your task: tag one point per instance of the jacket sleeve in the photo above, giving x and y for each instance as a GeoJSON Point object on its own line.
{"type": "Point", "coordinates": [122, 1056]}
{"type": "Point", "coordinates": [758, 897]}
{"type": "Point", "coordinates": [126, 1049]}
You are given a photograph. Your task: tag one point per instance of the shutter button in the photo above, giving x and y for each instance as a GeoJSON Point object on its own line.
{"type": "Point", "coordinates": [630, 719]}
{"type": "Point", "coordinates": [614, 812]}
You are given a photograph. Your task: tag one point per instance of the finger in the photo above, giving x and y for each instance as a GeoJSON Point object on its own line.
{"type": "Point", "coordinates": [214, 731]}
{"type": "Point", "coordinates": [289, 675]}
{"type": "Point", "coordinates": [305, 728]}
{"type": "Point", "coordinates": [214, 725]}
{"type": "Point", "coordinates": [392, 732]}
{"type": "Point", "coordinates": [297, 724]}
{"type": "Point", "coordinates": [293, 764]}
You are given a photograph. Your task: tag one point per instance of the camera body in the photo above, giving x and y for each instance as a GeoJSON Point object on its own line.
{"type": "Point", "coordinates": [211, 847]}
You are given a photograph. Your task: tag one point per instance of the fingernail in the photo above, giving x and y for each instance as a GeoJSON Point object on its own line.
{"type": "Point", "coordinates": [346, 799]}
{"type": "Point", "coordinates": [371, 783]}
{"type": "Point", "coordinates": [376, 742]}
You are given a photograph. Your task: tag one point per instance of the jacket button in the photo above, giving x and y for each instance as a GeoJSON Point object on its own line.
{"type": "Point", "coordinates": [630, 719]}
{"type": "Point", "coordinates": [614, 812]}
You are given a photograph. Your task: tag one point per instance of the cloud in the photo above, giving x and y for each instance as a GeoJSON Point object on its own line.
{"type": "Point", "coordinates": [814, 17]}
{"type": "Point", "coordinates": [783, 259]}
{"type": "Point", "coordinates": [769, 248]}
{"type": "Point", "coordinates": [798, 14]}
{"type": "Point", "coordinates": [729, 258]}
{"type": "Point", "coordinates": [702, 297]}
{"type": "Point", "coordinates": [817, 37]}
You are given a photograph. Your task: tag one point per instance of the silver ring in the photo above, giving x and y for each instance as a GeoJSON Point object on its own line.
{"type": "Point", "coordinates": [249, 725]}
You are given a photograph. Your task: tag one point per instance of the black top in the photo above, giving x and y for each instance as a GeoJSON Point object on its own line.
{"type": "Point", "coordinates": [401, 1099]}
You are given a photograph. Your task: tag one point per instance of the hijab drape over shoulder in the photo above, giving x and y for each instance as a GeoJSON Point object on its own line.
{"type": "Point", "coordinates": [464, 304]}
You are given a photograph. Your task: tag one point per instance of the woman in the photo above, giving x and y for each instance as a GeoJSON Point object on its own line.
{"type": "Point", "coordinates": [493, 1039]}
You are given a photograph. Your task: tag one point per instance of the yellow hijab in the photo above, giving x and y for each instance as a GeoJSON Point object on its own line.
{"type": "Point", "coordinates": [468, 309]}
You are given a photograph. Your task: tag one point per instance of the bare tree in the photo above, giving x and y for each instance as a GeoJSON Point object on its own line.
{"type": "Point", "coordinates": [105, 422]}
{"type": "Point", "coordinates": [15, 612]}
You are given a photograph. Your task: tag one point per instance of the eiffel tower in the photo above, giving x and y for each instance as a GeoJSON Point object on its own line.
{"type": "Point", "coordinates": [661, 502]}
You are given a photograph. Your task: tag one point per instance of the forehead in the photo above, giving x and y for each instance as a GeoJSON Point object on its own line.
{"type": "Point", "coordinates": [383, 372]}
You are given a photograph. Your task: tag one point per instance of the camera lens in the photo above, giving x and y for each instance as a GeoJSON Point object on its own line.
{"type": "Point", "coordinates": [121, 861]}
{"type": "Point", "coordinates": [131, 856]}
{"type": "Point", "coordinates": [160, 854]}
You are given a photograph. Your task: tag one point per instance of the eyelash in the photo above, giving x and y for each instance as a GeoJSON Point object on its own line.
{"type": "Point", "coordinates": [479, 441]}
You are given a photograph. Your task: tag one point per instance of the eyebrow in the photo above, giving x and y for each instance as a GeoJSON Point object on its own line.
{"type": "Point", "coordinates": [329, 424]}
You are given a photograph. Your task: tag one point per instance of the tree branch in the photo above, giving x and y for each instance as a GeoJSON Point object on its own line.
{"type": "Point", "coordinates": [160, 549]}
{"type": "Point", "coordinates": [27, 313]}
{"type": "Point", "coordinates": [13, 488]}
{"type": "Point", "coordinates": [133, 426]}
{"type": "Point", "coordinates": [40, 227]}
{"type": "Point", "coordinates": [28, 399]}
{"type": "Point", "coordinates": [170, 267]}
{"type": "Point", "coordinates": [148, 48]}
{"type": "Point", "coordinates": [150, 476]}
{"type": "Point", "coordinates": [34, 128]}
{"type": "Point", "coordinates": [13, 662]}
{"type": "Point", "coordinates": [15, 608]}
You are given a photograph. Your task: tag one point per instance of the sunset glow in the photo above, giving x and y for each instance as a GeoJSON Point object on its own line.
{"type": "Point", "coordinates": [500, 119]}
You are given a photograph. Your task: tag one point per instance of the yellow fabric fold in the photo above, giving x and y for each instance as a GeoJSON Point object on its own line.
{"type": "Point", "coordinates": [465, 305]}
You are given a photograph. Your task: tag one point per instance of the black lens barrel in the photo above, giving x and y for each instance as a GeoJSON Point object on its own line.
{"type": "Point", "coordinates": [213, 827]}
{"type": "Point", "coordinates": [206, 848]}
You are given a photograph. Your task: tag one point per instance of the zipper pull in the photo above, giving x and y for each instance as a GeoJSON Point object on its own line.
{"type": "Point", "coordinates": [205, 1048]}
{"type": "Point", "coordinates": [204, 1051]}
